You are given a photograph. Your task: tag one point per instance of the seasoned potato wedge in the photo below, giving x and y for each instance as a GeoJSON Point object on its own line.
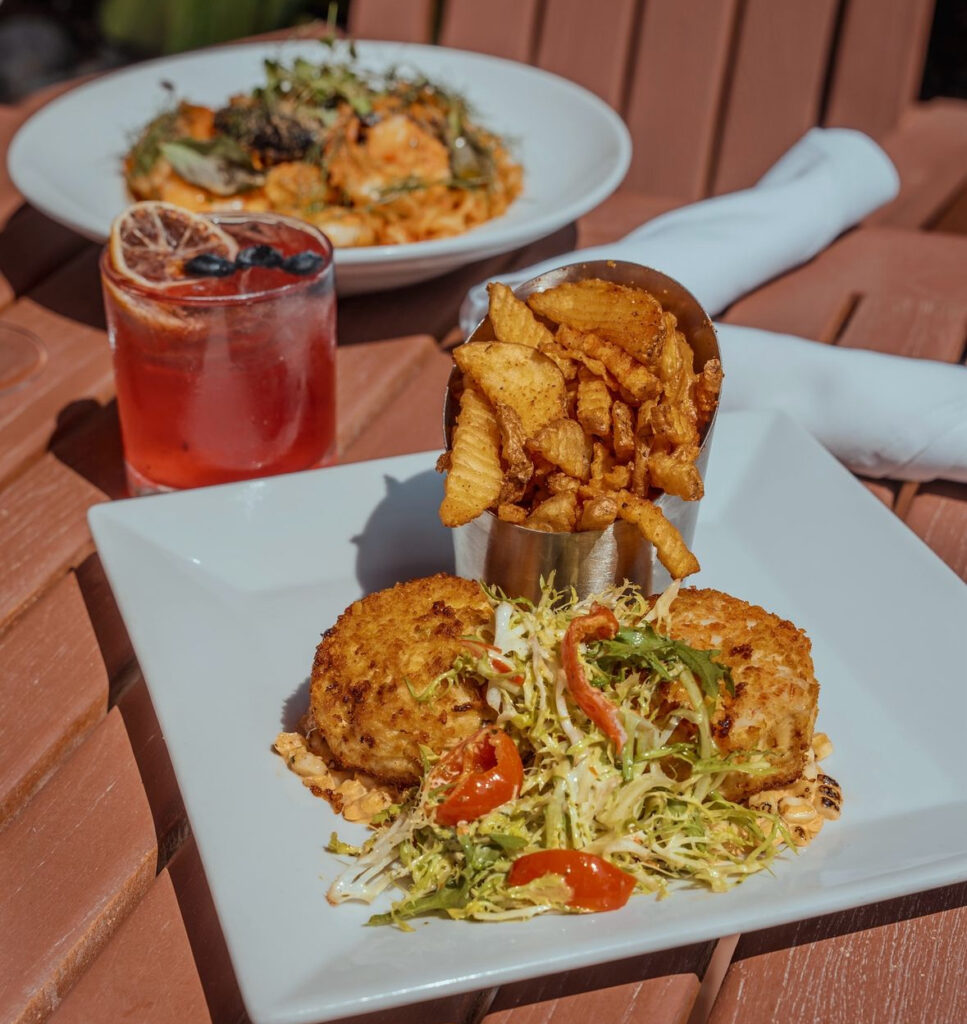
{"type": "Point", "coordinates": [475, 475]}
{"type": "Point", "coordinates": [629, 316]}
{"type": "Point", "coordinates": [518, 467]}
{"type": "Point", "coordinates": [675, 476]}
{"type": "Point", "coordinates": [517, 376]}
{"type": "Point", "coordinates": [672, 551]}
{"type": "Point", "coordinates": [598, 512]}
{"type": "Point", "coordinates": [557, 514]}
{"type": "Point", "coordinates": [565, 444]}
{"type": "Point", "coordinates": [587, 403]}
{"type": "Point", "coordinates": [631, 375]}
{"type": "Point", "coordinates": [512, 319]}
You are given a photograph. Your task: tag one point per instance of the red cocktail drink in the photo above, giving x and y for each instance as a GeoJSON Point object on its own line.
{"type": "Point", "coordinates": [227, 375]}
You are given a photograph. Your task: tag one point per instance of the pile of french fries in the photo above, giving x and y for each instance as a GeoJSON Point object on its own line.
{"type": "Point", "coordinates": [585, 406]}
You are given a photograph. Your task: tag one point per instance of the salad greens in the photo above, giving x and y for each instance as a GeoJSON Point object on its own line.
{"type": "Point", "coordinates": [652, 809]}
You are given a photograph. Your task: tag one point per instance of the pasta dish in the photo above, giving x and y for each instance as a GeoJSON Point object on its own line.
{"type": "Point", "coordinates": [369, 159]}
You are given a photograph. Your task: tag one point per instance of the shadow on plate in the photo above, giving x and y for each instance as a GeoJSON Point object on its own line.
{"type": "Point", "coordinates": [295, 705]}
{"type": "Point", "coordinates": [403, 537]}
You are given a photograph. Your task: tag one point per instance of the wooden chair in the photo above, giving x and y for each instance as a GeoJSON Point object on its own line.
{"type": "Point", "coordinates": [714, 91]}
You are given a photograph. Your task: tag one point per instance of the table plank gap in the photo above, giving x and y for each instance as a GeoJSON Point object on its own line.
{"type": "Point", "coordinates": [157, 774]}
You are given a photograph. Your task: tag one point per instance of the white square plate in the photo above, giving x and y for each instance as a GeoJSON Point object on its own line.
{"type": "Point", "coordinates": [226, 590]}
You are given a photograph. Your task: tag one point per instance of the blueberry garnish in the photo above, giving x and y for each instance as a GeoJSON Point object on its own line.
{"type": "Point", "coordinates": [258, 256]}
{"type": "Point", "coordinates": [209, 264]}
{"type": "Point", "coordinates": [303, 262]}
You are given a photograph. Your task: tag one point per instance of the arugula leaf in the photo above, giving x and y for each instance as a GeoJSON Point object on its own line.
{"type": "Point", "coordinates": [508, 843]}
{"type": "Point", "coordinates": [644, 648]}
{"type": "Point", "coordinates": [146, 150]}
{"type": "Point", "coordinates": [219, 165]}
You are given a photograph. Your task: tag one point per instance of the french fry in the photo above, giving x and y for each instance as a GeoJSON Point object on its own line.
{"type": "Point", "coordinates": [622, 431]}
{"type": "Point", "coordinates": [605, 475]}
{"type": "Point", "coordinates": [672, 551]}
{"type": "Point", "coordinates": [640, 477]}
{"type": "Point", "coordinates": [598, 512]}
{"type": "Point", "coordinates": [593, 404]}
{"type": "Point", "coordinates": [565, 444]}
{"type": "Point", "coordinates": [518, 376]}
{"type": "Point", "coordinates": [512, 514]}
{"type": "Point", "coordinates": [560, 483]}
{"type": "Point", "coordinates": [570, 426]}
{"type": "Point", "coordinates": [601, 461]}
{"type": "Point", "coordinates": [708, 384]}
{"type": "Point", "coordinates": [557, 514]}
{"type": "Point", "coordinates": [595, 366]}
{"type": "Point", "coordinates": [671, 363]}
{"type": "Point", "coordinates": [675, 476]}
{"type": "Point", "coordinates": [674, 423]}
{"type": "Point", "coordinates": [518, 468]}
{"type": "Point", "coordinates": [475, 477]}
{"type": "Point", "coordinates": [631, 375]}
{"type": "Point", "coordinates": [560, 358]}
{"type": "Point", "coordinates": [617, 478]}
{"type": "Point", "coordinates": [512, 319]}
{"type": "Point", "coordinates": [628, 316]}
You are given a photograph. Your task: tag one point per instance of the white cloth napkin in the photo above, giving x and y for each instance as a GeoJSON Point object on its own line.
{"type": "Point", "coordinates": [881, 415]}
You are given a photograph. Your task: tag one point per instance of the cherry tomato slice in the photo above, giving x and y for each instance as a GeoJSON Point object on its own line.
{"type": "Point", "coordinates": [484, 771]}
{"type": "Point", "coordinates": [598, 624]}
{"type": "Point", "coordinates": [595, 883]}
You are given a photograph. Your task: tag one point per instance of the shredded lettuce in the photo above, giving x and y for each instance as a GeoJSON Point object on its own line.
{"type": "Point", "coordinates": [653, 808]}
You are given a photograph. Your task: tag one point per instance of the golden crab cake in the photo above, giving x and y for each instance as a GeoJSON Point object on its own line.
{"type": "Point", "coordinates": [776, 693]}
{"type": "Point", "coordinates": [382, 651]}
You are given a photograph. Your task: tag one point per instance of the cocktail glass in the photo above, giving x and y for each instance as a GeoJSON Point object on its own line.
{"type": "Point", "coordinates": [223, 378]}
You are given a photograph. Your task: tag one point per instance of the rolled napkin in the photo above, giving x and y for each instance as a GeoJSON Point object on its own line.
{"type": "Point", "coordinates": [880, 415]}
{"type": "Point", "coordinates": [724, 247]}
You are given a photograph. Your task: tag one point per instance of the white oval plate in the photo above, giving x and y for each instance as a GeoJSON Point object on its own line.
{"type": "Point", "coordinates": [66, 160]}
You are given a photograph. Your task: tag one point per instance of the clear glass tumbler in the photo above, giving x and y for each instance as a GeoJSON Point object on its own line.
{"type": "Point", "coordinates": [223, 378]}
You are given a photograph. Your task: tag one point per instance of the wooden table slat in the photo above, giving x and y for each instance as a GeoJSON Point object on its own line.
{"type": "Point", "coordinates": [889, 962]}
{"type": "Point", "coordinates": [776, 89]}
{"type": "Point", "coordinates": [73, 864]}
{"type": "Point", "coordinates": [145, 974]}
{"type": "Point", "coordinates": [597, 60]}
{"type": "Point", "coordinates": [372, 377]}
{"type": "Point", "coordinates": [656, 1000]}
{"type": "Point", "coordinates": [53, 691]}
{"type": "Point", "coordinates": [929, 149]}
{"type": "Point", "coordinates": [413, 422]}
{"type": "Point", "coordinates": [44, 530]}
{"type": "Point", "coordinates": [938, 515]}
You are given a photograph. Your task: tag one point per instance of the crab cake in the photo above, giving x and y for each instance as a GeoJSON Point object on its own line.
{"type": "Point", "coordinates": [776, 693]}
{"type": "Point", "coordinates": [382, 651]}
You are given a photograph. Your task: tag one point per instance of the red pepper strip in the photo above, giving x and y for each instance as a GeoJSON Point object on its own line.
{"type": "Point", "coordinates": [500, 665]}
{"type": "Point", "coordinates": [598, 624]}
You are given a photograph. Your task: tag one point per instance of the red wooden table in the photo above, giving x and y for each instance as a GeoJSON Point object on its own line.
{"type": "Point", "coordinates": [104, 910]}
